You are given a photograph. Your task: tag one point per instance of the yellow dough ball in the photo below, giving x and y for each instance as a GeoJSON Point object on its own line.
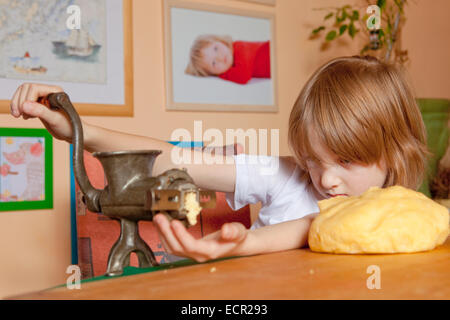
{"type": "Point", "coordinates": [389, 220]}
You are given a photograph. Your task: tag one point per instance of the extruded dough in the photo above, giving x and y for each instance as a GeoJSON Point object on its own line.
{"type": "Point", "coordinates": [193, 207]}
{"type": "Point", "coordinates": [389, 220]}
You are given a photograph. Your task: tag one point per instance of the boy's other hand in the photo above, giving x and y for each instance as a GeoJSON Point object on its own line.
{"type": "Point", "coordinates": [24, 103]}
{"type": "Point", "coordinates": [178, 241]}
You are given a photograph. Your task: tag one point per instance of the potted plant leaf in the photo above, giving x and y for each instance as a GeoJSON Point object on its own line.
{"type": "Point", "coordinates": [353, 21]}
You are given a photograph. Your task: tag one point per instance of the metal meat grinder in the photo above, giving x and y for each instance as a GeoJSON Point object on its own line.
{"type": "Point", "coordinates": [131, 193]}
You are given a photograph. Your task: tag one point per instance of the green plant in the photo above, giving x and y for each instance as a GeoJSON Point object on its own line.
{"type": "Point", "coordinates": [352, 21]}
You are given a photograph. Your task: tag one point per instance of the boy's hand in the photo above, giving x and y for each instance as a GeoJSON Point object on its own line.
{"type": "Point", "coordinates": [24, 104]}
{"type": "Point", "coordinates": [178, 241]}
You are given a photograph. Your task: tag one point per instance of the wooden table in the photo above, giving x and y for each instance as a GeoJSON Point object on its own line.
{"type": "Point", "coordinates": [295, 274]}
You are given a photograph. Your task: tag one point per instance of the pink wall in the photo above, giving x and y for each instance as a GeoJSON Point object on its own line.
{"type": "Point", "coordinates": [426, 36]}
{"type": "Point", "coordinates": [35, 245]}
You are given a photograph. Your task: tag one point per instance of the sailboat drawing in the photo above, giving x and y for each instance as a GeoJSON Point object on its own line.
{"type": "Point", "coordinates": [79, 45]}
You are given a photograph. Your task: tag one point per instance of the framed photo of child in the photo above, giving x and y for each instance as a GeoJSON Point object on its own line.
{"type": "Point", "coordinates": [219, 58]}
{"type": "Point", "coordinates": [26, 169]}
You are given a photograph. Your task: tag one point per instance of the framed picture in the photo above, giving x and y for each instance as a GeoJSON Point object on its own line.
{"type": "Point", "coordinates": [26, 169]}
{"type": "Point", "coordinates": [84, 46]}
{"type": "Point", "coordinates": [219, 58]}
{"type": "Point", "coordinates": [265, 2]}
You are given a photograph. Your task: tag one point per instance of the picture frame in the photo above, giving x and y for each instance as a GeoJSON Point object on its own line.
{"type": "Point", "coordinates": [26, 167]}
{"type": "Point", "coordinates": [264, 2]}
{"type": "Point", "coordinates": [112, 95]}
{"type": "Point", "coordinates": [184, 22]}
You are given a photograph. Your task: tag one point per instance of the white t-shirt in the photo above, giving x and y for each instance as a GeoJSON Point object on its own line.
{"type": "Point", "coordinates": [275, 181]}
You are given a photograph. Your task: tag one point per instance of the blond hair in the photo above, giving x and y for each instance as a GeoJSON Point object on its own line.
{"type": "Point", "coordinates": [195, 66]}
{"type": "Point", "coordinates": [364, 111]}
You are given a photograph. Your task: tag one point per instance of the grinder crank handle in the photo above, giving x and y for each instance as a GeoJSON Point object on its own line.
{"type": "Point", "coordinates": [61, 101]}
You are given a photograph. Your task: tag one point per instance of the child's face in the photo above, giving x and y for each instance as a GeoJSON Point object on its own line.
{"type": "Point", "coordinates": [334, 176]}
{"type": "Point", "coordinates": [217, 58]}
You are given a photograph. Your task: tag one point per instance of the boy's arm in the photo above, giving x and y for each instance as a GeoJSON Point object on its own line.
{"type": "Point", "coordinates": [218, 177]}
{"type": "Point", "coordinates": [233, 239]}
{"type": "Point", "coordinates": [278, 237]}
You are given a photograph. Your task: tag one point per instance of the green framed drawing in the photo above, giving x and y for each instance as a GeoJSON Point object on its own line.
{"type": "Point", "coordinates": [26, 169]}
